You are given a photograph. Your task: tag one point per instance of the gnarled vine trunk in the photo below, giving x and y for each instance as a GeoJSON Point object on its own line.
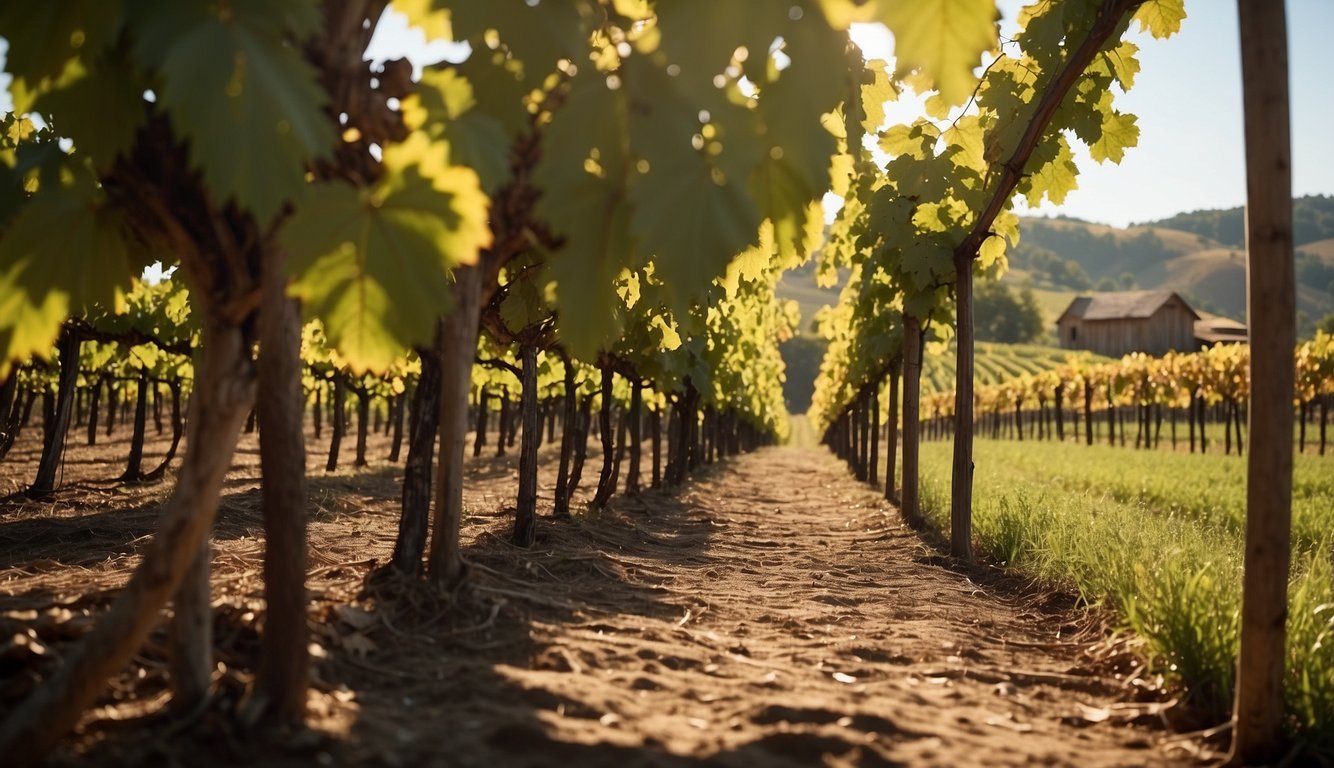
{"type": "Point", "coordinates": [459, 345]}
{"type": "Point", "coordinates": [281, 680]}
{"type": "Point", "coordinates": [224, 390]}
{"type": "Point", "coordinates": [416, 499]}
{"type": "Point", "coordinates": [525, 518]}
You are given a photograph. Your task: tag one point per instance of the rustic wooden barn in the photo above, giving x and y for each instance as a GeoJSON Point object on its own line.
{"type": "Point", "coordinates": [1115, 324]}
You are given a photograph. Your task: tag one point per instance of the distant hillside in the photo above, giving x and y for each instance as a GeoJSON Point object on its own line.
{"type": "Point", "coordinates": [1199, 254]}
{"type": "Point", "coordinates": [1312, 220]}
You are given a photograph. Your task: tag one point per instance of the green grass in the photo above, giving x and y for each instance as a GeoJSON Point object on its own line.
{"type": "Point", "coordinates": [1158, 537]}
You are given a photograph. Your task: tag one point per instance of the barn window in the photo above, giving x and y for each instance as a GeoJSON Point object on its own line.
{"type": "Point", "coordinates": [1073, 332]}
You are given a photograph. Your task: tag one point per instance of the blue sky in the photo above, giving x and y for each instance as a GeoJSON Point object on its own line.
{"type": "Point", "coordinates": [1187, 98]}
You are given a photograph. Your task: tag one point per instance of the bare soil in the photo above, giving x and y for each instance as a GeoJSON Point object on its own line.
{"type": "Point", "coordinates": [772, 611]}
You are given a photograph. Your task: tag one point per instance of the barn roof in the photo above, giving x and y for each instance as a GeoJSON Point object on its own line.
{"type": "Point", "coordinates": [1213, 329]}
{"type": "Point", "coordinates": [1121, 305]}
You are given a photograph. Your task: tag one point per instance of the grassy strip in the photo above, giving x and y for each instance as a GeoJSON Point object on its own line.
{"type": "Point", "coordinates": [1159, 538]}
{"type": "Point", "coordinates": [1209, 488]}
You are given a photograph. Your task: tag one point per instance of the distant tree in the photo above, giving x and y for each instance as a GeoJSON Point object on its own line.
{"type": "Point", "coordinates": [1126, 281]}
{"type": "Point", "coordinates": [1105, 284]}
{"type": "Point", "coordinates": [1326, 323]}
{"type": "Point", "coordinates": [801, 358]}
{"type": "Point", "coordinates": [1074, 276]}
{"type": "Point", "coordinates": [1002, 315]}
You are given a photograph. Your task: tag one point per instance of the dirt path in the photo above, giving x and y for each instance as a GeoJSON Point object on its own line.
{"type": "Point", "coordinates": [772, 612]}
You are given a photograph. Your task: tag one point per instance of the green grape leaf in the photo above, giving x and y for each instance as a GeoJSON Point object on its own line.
{"type": "Point", "coordinates": [943, 38]}
{"type": "Point", "coordinates": [498, 90]}
{"type": "Point", "coordinates": [373, 265]}
{"type": "Point", "coordinates": [249, 105]}
{"type": "Point", "coordinates": [522, 306]}
{"type": "Point", "coordinates": [443, 105]}
{"type": "Point", "coordinates": [583, 173]}
{"type": "Point", "coordinates": [783, 199]}
{"type": "Point", "coordinates": [699, 38]}
{"type": "Point", "coordinates": [538, 34]}
{"type": "Point", "coordinates": [814, 82]}
{"type": "Point", "coordinates": [100, 111]}
{"type": "Point", "coordinates": [44, 36]}
{"type": "Point", "coordinates": [1119, 133]}
{"type": "Point", "coordinates": [691, 211]}
{"type": "Point", "coordinates": [64, 253]}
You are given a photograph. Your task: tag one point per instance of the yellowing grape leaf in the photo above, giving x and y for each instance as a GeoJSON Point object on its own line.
{"type": "Point", "coordinates": [1161, 18]}
{"type": "Point", "coordinates": [444, 106]}
{"type": "Point", "coordinates": [63, 253]}
{"type": "Point", "coordinates": [373, 265]}
{"type": "Point", "coordinates": [945, 39]}
{"type": "Point", "coordinates": [875, 94]}
{"type": "Point", "coordinates": [1119, 133]}
{"type": "Point", "coordinates": [430, 16]}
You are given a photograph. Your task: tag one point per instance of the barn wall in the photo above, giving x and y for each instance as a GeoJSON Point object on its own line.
{"type": "Point", "coordinates": [1172, 327]}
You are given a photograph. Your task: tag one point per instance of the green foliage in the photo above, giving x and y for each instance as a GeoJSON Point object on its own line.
{"type": "Point", "coordinates": [240, 93]}
{"type": "Point", "coordinates": [373, 264]}
{"type": "Point", "coordinates": [64, 252]}
{"type": "Point", "coordinates": [1001, 315]}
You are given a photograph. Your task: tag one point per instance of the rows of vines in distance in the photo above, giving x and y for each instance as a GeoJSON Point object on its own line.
{"type": "Point", "coordinates": [996, 363]}
{"type": "Point", "coordinates": [1212, 384]}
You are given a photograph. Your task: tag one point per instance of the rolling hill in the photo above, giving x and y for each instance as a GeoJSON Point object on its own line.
{"type": "Point", "coordinates": [1198, 254]}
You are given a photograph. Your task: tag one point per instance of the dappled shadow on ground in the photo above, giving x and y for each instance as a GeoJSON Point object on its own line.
{"type": "Point", "coordinates": [769, 612]}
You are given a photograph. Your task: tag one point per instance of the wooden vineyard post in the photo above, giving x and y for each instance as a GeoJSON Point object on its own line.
{"type": "Point", "coordinates": [961, 478]}
{"type": "Point", "coordinates": [912, 378]}
{"type": "Point", "coordinates": [1258, 735]}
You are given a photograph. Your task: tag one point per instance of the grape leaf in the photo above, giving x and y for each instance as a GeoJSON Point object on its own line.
{"type": "Point", "coordinates": [44, 36]}
{"type": "Point", "coordinates": [373, 265]}
{"type": "Point", "coordinates": [943, 38]}
{"type": "Point", "coordinates": [583, 172]}
{"type": "Point", "coordinates": [64, 252]}
{"type": "Point", "coordinates": [538, 34]}
{"type": "Point", "coordinates": [249, 105]}
{"type": "Point", "coordinates": [813, 83]}
{"type": "Point", "coordinates": [101, 111]}
{"type": "Point", "coordinates": [1161, 18]}
{"type": "Point", "coordinates": [443, 105]}
{"type": "Point", "coordinates": [523, 306]}
{"type": "Point", "coordinates": [688, 211]}
{"type": "Point", "coordinates": [699, 38]}
{"type": "Point", "coordinates": [430, 16]}
{"type": "Point", "coordinates": [1119, 133]}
